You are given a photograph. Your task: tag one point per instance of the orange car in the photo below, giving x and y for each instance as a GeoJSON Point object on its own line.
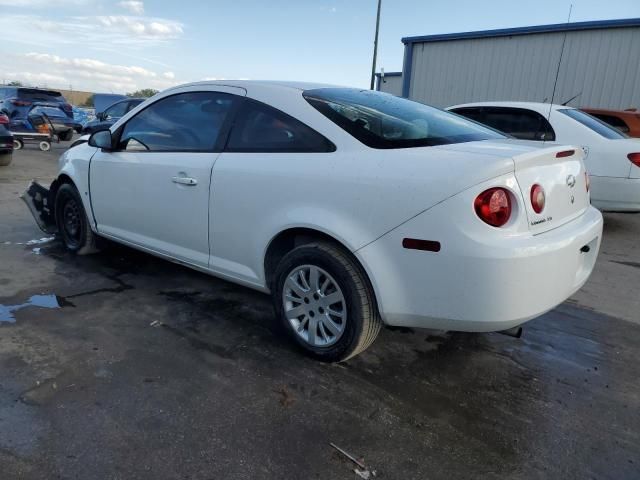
{"type": "Point", "coordinates": [627, 121]}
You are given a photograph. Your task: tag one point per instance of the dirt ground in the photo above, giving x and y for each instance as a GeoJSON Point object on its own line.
{"type": "Point", "coordinates": [147, 370]}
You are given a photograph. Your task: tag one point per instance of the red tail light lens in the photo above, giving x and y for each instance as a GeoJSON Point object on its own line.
{"type": "Point", "coordinates": [565, 153]}
{"type": "Point", "coordinates": [4, 120]}
{"type": "Point", "coordinates": [20, 103]}
{"type": "Point", "coordinates": [635, 158]}
{"type": "Point", "coordinates": [537, 198]}
{"type": "Point", "coordinates": [587, 181]}
{"type": "Point", "coordinates": [493, 206]}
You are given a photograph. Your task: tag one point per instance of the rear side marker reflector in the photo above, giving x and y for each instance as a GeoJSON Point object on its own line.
{"type": "Point", "coordinates": [416, 244]}
{"type": "Point", "coordinates": [565, 153]}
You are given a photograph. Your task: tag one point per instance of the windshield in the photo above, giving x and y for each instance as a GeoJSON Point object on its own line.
{"type": "Point", "coordinates": [380, 120]}
{"type": "Point", "coordinates": [593, 123]}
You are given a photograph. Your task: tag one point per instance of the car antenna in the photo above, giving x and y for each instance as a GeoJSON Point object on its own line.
{"type": "Point", "coordinates": [571, 99]}
{"type": "Point", "coordinates": [555, 83]}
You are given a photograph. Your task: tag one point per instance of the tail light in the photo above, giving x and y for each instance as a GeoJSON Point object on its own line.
{"type": "Point", "coordinates": [635, 158]}
{"type": "Point", "coordinates": [587, 181]}
{"type": "Point", "coordinates": [493, 206]}
{"type": "Point", "coordinates": [565, 153]}
{"type": "Point", "coordinates": [537, 198]}
{"type": "Point", "coordinates": [20, 103]}
{"type": "Point", "coordinates": [67, 107]}
{"type": "Point", "coordinates": [4, 120]}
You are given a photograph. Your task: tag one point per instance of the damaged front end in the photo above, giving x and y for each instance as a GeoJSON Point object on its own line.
{"type": "Point", "coordinates": [40, 201]}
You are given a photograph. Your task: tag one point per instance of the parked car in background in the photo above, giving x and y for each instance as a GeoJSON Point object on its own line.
{"type": "Point", "coordinates": [83, 115]}
{"type": "Point", "coordinates": [6, 146]}
{"type": "Point", "coordinates": [46, 118]}
{"type": "Point", "coordinates": [612, 159]}
{"type": "Point", "coordinates": [353, 208]}
{"type": "Point", "coordinates": [627, 121]}
{"type": "Point", "coordinates": [17, 101]}
{"type": "Point", "coordinates": [111, 115]}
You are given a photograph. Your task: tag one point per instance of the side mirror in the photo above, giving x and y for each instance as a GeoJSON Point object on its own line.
{"type": "Point", "coordinates": [101, 139]}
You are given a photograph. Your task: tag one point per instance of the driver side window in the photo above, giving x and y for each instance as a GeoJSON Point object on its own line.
{"type": "Point", "coordinates": [186, 122]}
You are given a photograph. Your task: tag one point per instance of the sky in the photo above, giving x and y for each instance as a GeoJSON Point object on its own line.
{"type": "Point", "coordinates": [123, 45]}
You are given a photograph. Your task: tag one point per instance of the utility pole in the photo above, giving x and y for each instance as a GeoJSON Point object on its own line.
{"type": "Point", "coordinates": [375, 48]}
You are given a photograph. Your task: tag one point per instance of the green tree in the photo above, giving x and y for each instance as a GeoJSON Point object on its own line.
{"type": "Point", "coordinates": [88, 102]}
{"type": "Point", "coordinates": [143, 93]}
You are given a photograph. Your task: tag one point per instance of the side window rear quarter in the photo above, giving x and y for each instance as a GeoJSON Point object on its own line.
{"type": "Point", "coordinates": [521, 123]}
{"type": "Point", "coordinates": [261, 128]}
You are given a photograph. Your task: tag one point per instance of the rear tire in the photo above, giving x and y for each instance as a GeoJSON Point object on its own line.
{"type": "Point", "coordinates": [18, 144]}
{"type": "Point", "coordinates": [325, 302]}
{"type": "Point", "coordinates": [5, 159]}
{"type": "Point", "coordinates": [44, 146]}
{"type": "Point", "coordinates": [73, 224]}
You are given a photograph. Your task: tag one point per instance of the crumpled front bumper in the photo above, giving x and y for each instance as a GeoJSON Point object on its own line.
{"type": "Point", "coordinates": [41, 205]}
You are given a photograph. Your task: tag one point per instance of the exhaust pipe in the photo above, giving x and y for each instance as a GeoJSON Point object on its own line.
{"type": "Point", "coordinates": [515, 332]}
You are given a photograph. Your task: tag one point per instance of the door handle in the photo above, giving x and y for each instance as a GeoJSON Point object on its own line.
{"type": "Point", "coordinates": [185, 181]}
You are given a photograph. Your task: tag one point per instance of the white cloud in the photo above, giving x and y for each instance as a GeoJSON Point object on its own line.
{"type": "Point", "coordinates": [44, 69]}
{"type": "Point", "coordinates": [133, 6]}
{"type": "Point", "coordinates": [40, 3]}
{"type": "Point", "coordinates": [113, 32]}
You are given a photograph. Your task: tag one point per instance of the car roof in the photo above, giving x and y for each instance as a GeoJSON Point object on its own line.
{"type": "Point", "coordinates": [249, 84]}
{"type": "Point", "coordinates": [607, 111]}
{"type": "Point", "coordinates": [535, 106]}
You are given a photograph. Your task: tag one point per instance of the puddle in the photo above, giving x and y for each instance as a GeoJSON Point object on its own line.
{"type": "Point", "coordinates": [42, 301]}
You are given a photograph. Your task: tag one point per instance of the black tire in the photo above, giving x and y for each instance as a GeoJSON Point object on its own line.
{"type": "Point", "coordinates": [72, 221]}
{"type": "Point", "coordinates": [5, 159]}
{"type": "Point", "coordinates": [363, 321]}
{"type": "Point", "coordinates": [66, 136]}
{"type": "Point", "coordinates": [18, 144]}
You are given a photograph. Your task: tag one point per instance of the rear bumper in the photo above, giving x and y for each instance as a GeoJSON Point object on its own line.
{"type": "Point", "coordinates": [479, 283]}
{"type": "Point", "coordinates": [611, 194]}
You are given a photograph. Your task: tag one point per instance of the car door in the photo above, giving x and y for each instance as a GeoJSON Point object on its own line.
{"type": "Point", "coordinates": [269, 161]}
{"type": "Point", "coordinates": [152, 190]}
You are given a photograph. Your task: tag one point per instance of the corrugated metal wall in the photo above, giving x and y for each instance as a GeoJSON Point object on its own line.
{"type": "Point", "coordinates": [603, 64]}
{"type": "Point", "coordinates": [392, 84]}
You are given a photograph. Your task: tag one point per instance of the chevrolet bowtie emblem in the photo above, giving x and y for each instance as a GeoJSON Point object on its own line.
{"type": "Point", "coordinates": [571, 181]}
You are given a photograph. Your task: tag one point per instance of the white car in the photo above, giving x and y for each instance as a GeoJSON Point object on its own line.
{"type": "Point", "coordinates": [612, 158]}
{"type": "Point", "coordinates": [352, 208]}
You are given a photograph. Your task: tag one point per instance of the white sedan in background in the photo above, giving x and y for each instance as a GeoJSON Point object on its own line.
{"type": "Point", "coordinates": [612, 158]}
{"type": "Point", "coordinates": [352, 208]}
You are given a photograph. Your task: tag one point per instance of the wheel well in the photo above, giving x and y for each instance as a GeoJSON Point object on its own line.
{"type": "Point", "coordinates": [289, 239]}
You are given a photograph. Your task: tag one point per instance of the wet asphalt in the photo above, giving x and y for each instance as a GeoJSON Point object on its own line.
{"type": "Point", "coordinates": [124, 366]}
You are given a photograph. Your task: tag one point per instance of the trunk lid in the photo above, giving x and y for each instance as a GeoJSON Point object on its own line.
{"type": "Point", "coordinates": [563, 180]}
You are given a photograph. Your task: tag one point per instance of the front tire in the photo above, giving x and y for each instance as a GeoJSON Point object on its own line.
{"type": "Point", "coordinates": [325, 302]}
{"type": "Point", "coordinates": [73, 224]}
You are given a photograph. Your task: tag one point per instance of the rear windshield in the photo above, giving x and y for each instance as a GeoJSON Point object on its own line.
{"type": "Point", "coordinates": [49, 111]}
{"type": "Point", "coordinates": [34, 94]}
{"type": "Point", "coordinates": [593, 123]}
{"type": "Point", "coordinates": [380, 120]}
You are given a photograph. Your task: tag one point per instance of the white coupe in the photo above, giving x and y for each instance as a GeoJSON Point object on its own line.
{"type": "Point", "coordinates": [612, 158]}
{"type": "Point", "coordinates": [353, 208]}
